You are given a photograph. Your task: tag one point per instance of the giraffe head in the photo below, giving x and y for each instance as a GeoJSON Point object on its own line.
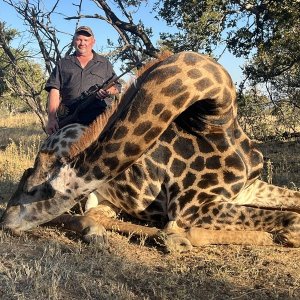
{"type": "Point", "coordinates": [51, 186]}
{"type": "Point", "coordinates": [35, 199]}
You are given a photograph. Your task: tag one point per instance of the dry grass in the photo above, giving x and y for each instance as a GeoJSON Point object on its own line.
{"type": "Point", "coordinates": [48, 264]}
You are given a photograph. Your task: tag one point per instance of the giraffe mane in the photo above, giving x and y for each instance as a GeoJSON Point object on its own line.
{"type": "Point", "coordinates": [92, 132]}
{"type": "Point", "coordinates": [106, 119]}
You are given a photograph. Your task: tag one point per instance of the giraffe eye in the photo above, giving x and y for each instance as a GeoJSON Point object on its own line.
{"type": "Point", "coordinates": [32, 192]}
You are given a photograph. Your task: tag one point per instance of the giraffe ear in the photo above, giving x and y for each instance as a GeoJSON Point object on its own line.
{"type": "Point", "coordinates": [44, 163]}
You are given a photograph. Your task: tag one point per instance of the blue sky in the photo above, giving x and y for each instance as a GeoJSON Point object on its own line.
{"type": "Point", "coordinates": [102, 30]}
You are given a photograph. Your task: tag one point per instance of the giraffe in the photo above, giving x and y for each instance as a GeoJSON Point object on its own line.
{"type": "Point", "coordinates": [174, 153]}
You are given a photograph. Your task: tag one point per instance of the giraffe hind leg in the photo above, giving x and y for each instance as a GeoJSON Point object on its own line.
{"type": "Point", "coordinates": [264, 195]}
{"type": "Point", "coordinates": [283, 225]}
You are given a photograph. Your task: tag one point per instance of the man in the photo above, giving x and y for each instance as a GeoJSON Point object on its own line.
{"type": "Point", "coordinates": [75, 74]}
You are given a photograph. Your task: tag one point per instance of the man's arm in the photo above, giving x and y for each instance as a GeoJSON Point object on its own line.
{"type": "Point", "coordinates": [53, 103]}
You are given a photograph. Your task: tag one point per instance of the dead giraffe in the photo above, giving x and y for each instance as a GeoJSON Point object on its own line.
{"type": "Point", "coordinates": [175, 153]}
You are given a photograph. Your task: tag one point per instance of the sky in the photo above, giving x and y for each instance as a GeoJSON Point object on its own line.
{"type": "Point", "coordinates": [102, 30]}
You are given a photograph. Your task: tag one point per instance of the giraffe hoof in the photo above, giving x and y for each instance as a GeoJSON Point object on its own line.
{"type": "Point", "coordinates": [176, 243]}
{"type": "Point", "coordinates": [95, 235]}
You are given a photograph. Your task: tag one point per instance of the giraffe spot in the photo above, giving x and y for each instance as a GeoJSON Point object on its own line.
{"type": "Point", "coordinates": [215, 211]}
{"type": "Point", "coordinates": [230, 177]}
{"type": "Point", "coordinates": [152, 134]}
{"type": "Point", "coordinates": [245, 144]}
{"type": "Point", "coordinates": [136, 176]}
{"type": "Point", "coordinates": [254, 174]}
{"type": "Point", "coordinates": [184, 147]}
{"type": "Point", "coordinates": [168, 136]}
{"type": "Point", "coordinates": [213, 162]}
{"type": "Point", "coordinates": [54, 142]}
{"type": "Point", "coordinates": [158, 109]}
{"type": "Point", "coordinates": [161, 155]}
{"type": "Point", "coordinates": [47, 205]}
{"type": "Point", "coordinates": [88, 178]}
{"type": "Point", "coordinates": [219, 140]}
{"type": "Point", "coordinates": [220, 191]}
{"type": "Point", "coordinates": [131, 149]}
{"type": "Point", "coordinates": [207, 207]}
{"type": "Point", "coordinates": [120, 133]}
{"type": "Point", "coordinates": [174, 189]}
{"type": "Point", "coordinates": [165, 116]}
{"type": "Point", "coordinates": [194, 73]}
{"type": "Point", "coordinates": [203, 84]}
{"type": "Point", "coordinates": [242, 217]}
{"type": "Point", "coordinates": [177, 167]}
{"type": "Point", "coordinates": [63, 144]}
{"type": "Point", "coordinates": [171, 60]}
{"type": "Point", "coordinates": [227, 95]}
{"type": "Point", "coordinates": [163, 73]}
{"type": "Point", "coordinates": [191, 211]}
{"type": "Point", "coordinates": [207, 180]}
{"type": "Point", "coordinates": [207, 220]}
{"type": "Point", "coordinates": [154, 171]}
{"type": "Point", "coordinates": [111, 162]}
{"type": "Point", "coordinates": [39, 207]}
{"type": "Point", "coordinates": [134, 115]}
{"type": "Point", "coordinates": [151, 190]}
{"type": "Point", "coordinates": [56, 149]}
{"type": "Point", "coordinates": [70, 134]}
{"type": "Point", "coordinates": [120, 196]}
{"type": "Point", "coordinates": [192, 58]}
{"type": "Point", "coordinates": [238, 133]}
{"type": "Point", "coordinates": [65, 153]}
{"type": "Point", "coordinates": [172, 210]}
{"type": "Point", "coordinates": [82, 170]}
{"type": "Point", "coordinates": [173, 89]}
{"type": "Point", "coordinates": [186, 198]}
{"type": "Point", "coordinates": [198, 164]}
{"type": "Point", "coordinates": [204, 197]}
{"type": "Point", "coordinates": [133, 194]}
{"type": "Point", "coordinates": [179, 101]}
{"type": "Point", "coordinates": [204, 145]}
{"type": "Point", "coordinates": [112, 147]}
{"type": "Point", "coordinates": [212, 93]}
{"type": "Point", "coordinates": [256, 158]}
{"type": "Point", "coordinates": [214, 70]}
{"type": "Point", "coordinates": [97, 172]}
{"type": "Point", "coordinates": [234, 161]}
{"type": "Point", "coordinates": [142, 128]}
{"type": "Point", "coordinates": [188, 180]}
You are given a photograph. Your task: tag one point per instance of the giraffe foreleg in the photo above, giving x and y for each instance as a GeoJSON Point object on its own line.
{"type": "Point", "coordinates": [93, 225]}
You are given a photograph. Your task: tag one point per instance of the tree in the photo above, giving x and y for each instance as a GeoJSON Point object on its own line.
{"type": "Point", "coordinates": [20, 75]}
{"type": "Point", "coordinates": [133, 44]}
{"type": "Point", "coordinates": [266, 30]}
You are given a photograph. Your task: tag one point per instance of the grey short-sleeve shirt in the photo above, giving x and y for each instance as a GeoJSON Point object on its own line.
{"type": "Point", "coordinates": [71, 79]}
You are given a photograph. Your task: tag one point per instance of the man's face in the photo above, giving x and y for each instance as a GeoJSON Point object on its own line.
{"type": "Point", "coordinates": [83, 43]}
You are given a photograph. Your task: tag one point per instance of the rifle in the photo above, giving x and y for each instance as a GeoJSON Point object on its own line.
{"type": "Point", "coordinates": [86, 98]}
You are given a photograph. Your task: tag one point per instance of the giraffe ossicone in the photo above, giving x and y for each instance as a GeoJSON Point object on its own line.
{"type": "Point", "coordinates": [172, 152]}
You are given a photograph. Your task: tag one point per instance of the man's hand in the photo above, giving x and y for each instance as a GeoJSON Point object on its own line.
{"type": "Point", "coordinates": [102, 94]}
{"type": "Point", "coordinates": [52, 126]}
